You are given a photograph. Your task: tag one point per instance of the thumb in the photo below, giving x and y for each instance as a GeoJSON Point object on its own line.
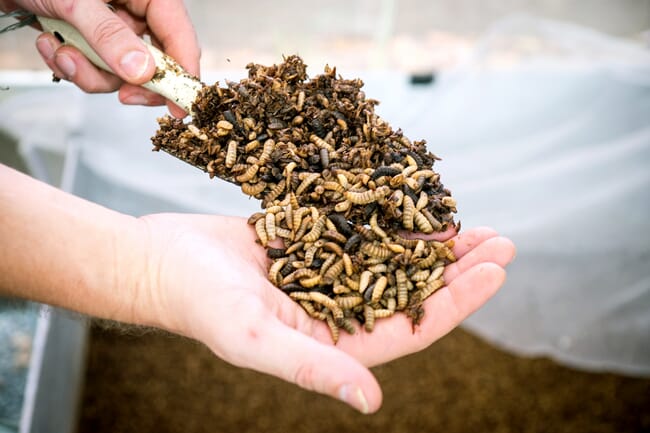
{"type": "Point", "coordinates": [112, 39]}
{"type": "Point", "coordinates": [281, 351]}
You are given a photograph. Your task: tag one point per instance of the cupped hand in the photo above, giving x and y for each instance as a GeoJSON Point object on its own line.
{"type": "Point", "coordinates": [209, 276]}
{"type": "Point", "coordinates": [115, 36]}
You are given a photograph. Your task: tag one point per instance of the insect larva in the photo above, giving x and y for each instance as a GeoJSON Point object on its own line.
{"type": "Point", "coordinates": [197, 132]}
{"type": "Point", "coordinates": [410, 160]}
{"type": "Point", "coordinates": [384, 171]}
{"type": "Point", "coordinates": [420, 275]}
{"type": "Point", "coordinates": [419, 248]}
{"type": "Point", "coordinates": [333, 186]}
{"type": "Point", "coordinates": [333, 272]}
{"type": "Point", "coordinates": [294, 247]}
{"type": "Point", "coordinates": [269, 145]}
{"type": "Point", "coordinates": [352, 284]}
{"type": "Point", "coordinates": [310, 253]}
{"type": "Point", "coordinates": [260, 229]}
{"type": "Point", "coordinates": [309, 308]}
{"type": "Point", "coordinates": [251, 146]}
{"type": "Point", "coordinates": [431, 288]}
{"type": "Point", "coordinates": [347, 326]}
{"type": "Point", "coordinates": [334, 235]}
{"type": "Point", "coordinates": [380, 286]}
{"type": "Point", "coordinates": [352, 243]}
{"type": "Point", "coordinates": [315, 214]}
{"type": "Point", "coordinates": [391, 290]}
{"type": "Point", "coordinates": [449, 202]}
{"type": "Point", "coordinates": [333, 247]}
{"type": "Point", "coordinates": [327, 263]}
{"type": "Point", "coordinates": [378, 268]}
{"type": "Point", "coordinates": [342, 124]}
{"type": "Point", "coordinates": [376, 250]}
{"type": "Point", "coordinates": [326, 301]}
{"type": "Point", "coordinates": [396, 248]}
{"type": "Point", "coordinates": [422, 222]}
{"type": "Point", "coordinates": [224, 124]}
{"type": "Point", "coordinates": [436, 273]}
{"type": "Point", "coordinates": [310, 282]}
{"type": "Point", "coordinates": [430, 261]}
{"type": "Point", "coordinates": [253, 189]}
{"type": "Point", "coordinates": [374, 226]}
{"type": "Point", "coordinates": [342, 224]}
{"type": "Point", "coordinates": [382, 313]}
{"type": "Point", "coordinates": [402, 289]}
{"type": "Point", "coordinates": [299, 274]}
{"type": "Point", "coordinates": [413, 184]}
{"type": "Point", "coordinates": [368, 196]}
{"type": "Point", "coordinates": [330, 227]}
{"type": "Point", "coordinates": [343, 181]}
{"type": "Point", "coordinates": [334, 330]}
{"type": "Point", "coordinates": [408, 212]}
{"type": "Point", "coordinates": [231, 153]}
{"type": "Point", "coordinates": [253, 218]}
{"type": "Point", "coordinates": [364, 281]}
{"type": "Point", "coordinates": [347, 265]}
{"type": "Point", "coordinates": [302, 229]}
{"type": "Point", "coordinates": [276, 253]}
{"type": "Point", "coordinates": [316, 230]}
{"type": "Point", "coordinates": [249, 174]}
{"type": "Point", "coordinates": [301, 101]}
{"type": "Point", "coordinates": [274, 270]}
{"type": "Point", "coordinates": [368, 318]}
{"type": "Point", "coordinates": [298, 214]}
{"type": "Point", "coordinates": [306, 183]}
{"type": "Point", "coordinates": [274, 193]}
{"type": "Point", "coordinates": [270, 226]}
{"type": "Point", "coordinates": [391, 304]}
{"type": "Point", "coordinates": [423, 201]}
{"type": "Point", "coordinates": [342, 206]}
{"type": "Point", "coordinates": [324, 157]}
{"type": "Point", "coordinates": [340, 289]}
{"type": "Point", "coordinates": [320, 142]}
{"type": "Point", "coordinates": [300, 296]}
{"type": "Point", "coordinates": [349, 302]}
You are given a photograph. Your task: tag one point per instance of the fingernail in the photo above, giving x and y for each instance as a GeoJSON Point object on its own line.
{"type": "Point", "coordinates": [45, 47]}
{"type": "Point", "coordinates": [135, 99]}
{"type": "Point", "coordinates": [134, 64]}
{"type": "Point", "coordinates": [353, 396]}
{"type": "Point", "coordinates": [66, 65]}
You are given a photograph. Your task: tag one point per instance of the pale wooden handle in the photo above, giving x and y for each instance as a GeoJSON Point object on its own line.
{"type": "Point", "coordinates": [170, 79]}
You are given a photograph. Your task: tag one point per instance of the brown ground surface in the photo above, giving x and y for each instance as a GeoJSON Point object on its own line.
{"type": "Point", "coordinates": [161, 383]}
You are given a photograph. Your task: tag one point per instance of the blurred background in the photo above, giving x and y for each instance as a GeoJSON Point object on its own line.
{"type": "Point", "coordinates": [540, 111]}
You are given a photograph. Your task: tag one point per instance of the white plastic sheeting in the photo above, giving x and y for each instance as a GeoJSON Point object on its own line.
{"type": "Point", "coordinates": [544, 134]}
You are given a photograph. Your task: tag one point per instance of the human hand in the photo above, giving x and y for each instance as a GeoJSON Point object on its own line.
{"type": "Point", "coordinates": [114, 36]}
{"type": "Point", "coordinates": [207, 278]}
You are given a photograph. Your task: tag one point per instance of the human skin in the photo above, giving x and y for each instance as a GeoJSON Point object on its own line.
{"type": "Point", "coordinates": [204, 277]}
{"type": "Point", "coordinates": [115, 36]}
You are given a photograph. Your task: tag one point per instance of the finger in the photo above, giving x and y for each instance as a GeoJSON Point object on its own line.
{"type": "Point", "coordinates": [135, 95]}
{"type": "Point", "coordinates": [455, 302]}
{"type": "Point", "coordinates": [68, 63]}
{"type": "Point", "coordinates": [468, 240]}
{"type": "Point", "coordinates": [444, 310]}
{"type": "Point", "coordinates": [178, 40]}
{"type": "Point", "coordinates": [498, 250]}
{"type": "Point", "coordinates": [111, 38]}
{"type": "Point", "coordinates": [304, 361]}
{"type": "Point", "coordinates": [47, 44]}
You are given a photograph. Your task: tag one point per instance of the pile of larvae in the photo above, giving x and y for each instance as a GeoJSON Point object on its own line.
{"type": "Point", "coordinates": [340, 190]}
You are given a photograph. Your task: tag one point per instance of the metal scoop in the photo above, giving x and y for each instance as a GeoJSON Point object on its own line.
{"type": "Point", "coordinates": [170, 79]}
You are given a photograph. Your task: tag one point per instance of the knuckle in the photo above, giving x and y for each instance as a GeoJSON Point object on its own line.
{"type": "Point", "coordinates": [107, 32]}
{"type": "Point", "coordinates": [304, 376]}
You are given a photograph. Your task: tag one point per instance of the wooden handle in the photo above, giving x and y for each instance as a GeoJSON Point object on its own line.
{"type": "Point", "coordinates": [170, 79]}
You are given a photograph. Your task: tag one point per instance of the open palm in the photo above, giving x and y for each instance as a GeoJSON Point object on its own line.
{"type": "Point", "coordinates": [213, 277]}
